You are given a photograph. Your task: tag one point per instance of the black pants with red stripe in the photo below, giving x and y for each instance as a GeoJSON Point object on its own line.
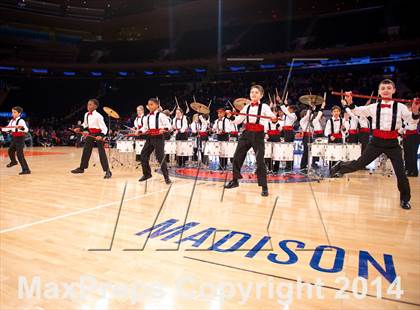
{"type": "Point", "coordinates": [156, 143]}
{"type": "Point", "coordinates": [375, 148]}
{"type": "Point", "coordinates": [411, 147]}
{"type": "Point", "coordinates": [289, 136]}
{"type": "Point", "coordinates": [247, 140]}
{"type": "Point", "coordinates": [16, 148]}
{"type": "Point", "coordinates": [87, 152]}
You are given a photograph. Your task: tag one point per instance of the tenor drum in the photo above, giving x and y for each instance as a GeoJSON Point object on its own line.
{"type": "Point", "coordinates": [227, 148]}
{"type": "Point", "coordinates": [211, 148]}
{"type": "Point", "coordinates": [170, 147]}
{"type": "Point", "coordinates": [318, 149]}
{"type": "Point", "coordinates": [268, 150]}
{"type": "Point", "coordinates": [184, 148]}
{"type": "Point", "coordinates": [283, 151]}
{"type": "Point", "coordinates": [335, 152]}
{"type": "Point", "coordinates": [125, 146]}
{"type": "Point", "coordinates": [353, 151]}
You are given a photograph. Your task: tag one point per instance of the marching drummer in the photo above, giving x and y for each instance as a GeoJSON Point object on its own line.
{"type": "Point", "coordinates": [199, 130]}
{"type": "Point", "coordinates": [139, 126]}
{"type": "Point", "coordinates": [156, 125]}
{"type": "Point", "coordinates": [180, 127]}
{"type": "Point", "coordinates": [335, 128]}
{"type": "Point", "coordinates": [289, 120]}
{"type": "Point", "coordinates": [234, 133]}
{"type": "Point", "coordinates": [273, 131]}
{"type": "Point", "coordinates": [254, 115]}
{"type": "Point", "coordinates": [222, 128]}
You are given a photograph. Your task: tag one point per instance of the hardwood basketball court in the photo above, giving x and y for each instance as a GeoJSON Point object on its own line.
{"type": "Point", "coordinates": [82, 242]}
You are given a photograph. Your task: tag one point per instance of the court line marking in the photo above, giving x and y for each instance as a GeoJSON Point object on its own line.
{"type": "Point", "coordinates": [58, 217]}
{"type": "Point", "coordinates": [294, 280]}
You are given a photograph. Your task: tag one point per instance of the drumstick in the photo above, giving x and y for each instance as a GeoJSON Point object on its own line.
{"type": "Point", "coordinates": [277, 94]}
{"type": "Point", "coordinates": [377, 98]}
{"type": "Point", "coordinates": [188, 109]}
{"type": "Point", "coordinates": [176, 100]}
{"type": "Point", "coordinates": [209, 104]}
{"type": "Point", "coordinates": [233, 108]}
{"type": "Point", "coordinates": [11, 127]}
{"type": "Point", "coordinates": [85, 134]}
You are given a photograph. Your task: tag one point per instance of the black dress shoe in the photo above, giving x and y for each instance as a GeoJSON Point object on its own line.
{"type": "Point", "coordinates": [11, 164]}
{"type": "Point", "coordinates": [144, 178]}
{"type": "Point", "coordinates": [264, 192]}
{"type": "Point", "coordinates": [335, 168]}
{"type": "Point", "coordinates": [336, 175]}
{"type": "Point", "coordinates": [232, 184]}
{"type": "Point", "coordinates": [78, 170]}
{"type": "Point", "coordinates": [405, 205]}
{"type": "Point", "coordinates": [108, 174]}
{"type": "Point", "coordinates": [168, 181]}
{"type": "Point", "coordinates": [25, 172]}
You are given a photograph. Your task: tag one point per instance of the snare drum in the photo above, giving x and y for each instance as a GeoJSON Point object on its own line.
{"type": "Point", "coordinates": [184, 148]}
{"type": "Point", "coordinates": [353, 151]}
{"type": "Point", "coordinates": [227, 149]}
{"type": "Point", "coordinates": [125, 146]}
{"type": "Point", "coordinates": [211, 148]}
{"type": "Point", "coordinates": [170, 147]}
{"type": "Point", "coordinates": [283, 151]}
{"type": "Point", "coordinates": [139, 146]}
{"type": "Point", "coordinates": [318, 149]}
{"type": "Point", "coordinates": [268, 150]}
{"type": "Point", "coordinates": [335, 151]}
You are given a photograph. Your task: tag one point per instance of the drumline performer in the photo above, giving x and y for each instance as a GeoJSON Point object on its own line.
{"type": "Point", "coordinates": [199, 130]}
{"type": "Point", "coordinates": [139, 126]}
{"type": "Point", "coordinates": [318, 132]}
{"type": "Point", "coordinates": [290, 118]}
{"type": "Point", "coordinates": [94, 123]}
{"type": "Point", "coordinates": [387, 117]}
{"type": "Point", "coordinates": [252, 136]}
{"type": "Point", "coordinates": [222, 128]}
{"type": "Point", "coordinates": [156, 124]}
{"type": "Point", "coordinates": [17, 128]}
{"type": "Point", "coordinates": [411, 140]}
{"type": "Point", "coordinates": [180, 127]}
{"type": "Point", "coordinates": [335, 129]}
{"type": "Point", "coordinates": [273, 130]}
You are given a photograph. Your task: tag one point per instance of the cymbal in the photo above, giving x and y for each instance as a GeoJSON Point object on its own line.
{"type": "Point", "coordinates": [199, 107]}
{"type": "Point", "coordinates": [311, 99]}
{"type": "Point", "coordinates": [111, 112]}
{"type": "Point", "coordinates": [239, 103]}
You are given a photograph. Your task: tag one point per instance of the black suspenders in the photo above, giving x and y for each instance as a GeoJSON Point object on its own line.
{"type": "Point", "coordinates": [156, 121]}
{"type": "Point", "coordinates": [258, 113]}
{"type": "Point", "coordinates": [332, 125]}
{"type": "Point", "coordinates": [394, 116]}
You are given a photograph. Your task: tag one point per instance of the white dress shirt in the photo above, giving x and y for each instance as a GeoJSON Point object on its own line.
{"type": "Point", "coordinates": [289, 117]}
{"type": "Point", "coordinates": [180, 124]}
{"type": "Point", "coordinates": [94, 120]}
{"type": "Point", "coordinates": [265, 111]}
{"type": "Point", "coordinates": [156, 117]}
{"type": "Point", "coordinates": [386, 114]}
{"type": "Point", "coordinates": [16, 122]}
{"type": "Point", "coordinates": [222, 125]}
